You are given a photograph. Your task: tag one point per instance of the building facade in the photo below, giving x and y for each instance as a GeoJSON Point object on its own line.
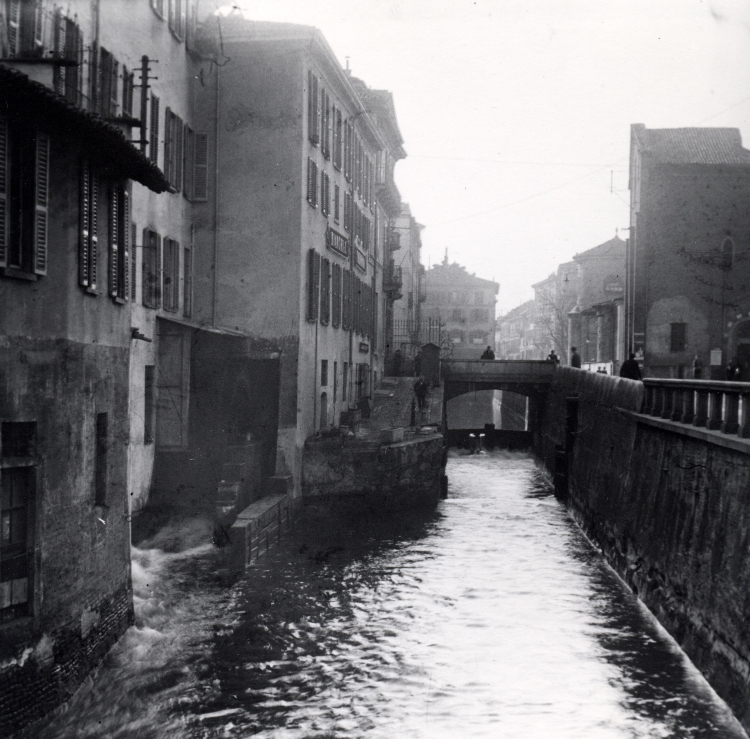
{"type": "Point", "coordinates": [687, 274]}
{"type": "Point", "coordinates": [464, 305]}
{"type": "Point", "coordinates": [595, 323]}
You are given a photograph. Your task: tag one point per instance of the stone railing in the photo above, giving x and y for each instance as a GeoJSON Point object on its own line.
{"type": "Point", "coordinates": [710, 404]}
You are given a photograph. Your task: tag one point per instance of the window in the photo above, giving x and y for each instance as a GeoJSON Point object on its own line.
{"type": "Point", "coordinates": [313, 109]}
{"type": "Point", "coordinates": [348, 212]}
{"type": "Point", "coordinates": [151, 270]}
{"type": "Point", "coordinates": [24, 194]}
{"type": "Point", "coordinates": [312, 183]}
{"type": "Point", "coordinates": [88, 245]}
{"type": "Point", "coordinates": [188, 162]}
{"type": "Point", "coordinates": [18, 439]}
{"type": "Point", "coordinates": [158, 7]}
{"type": "Point", "coordinates": [324, 372]}
{"type": "Point", "coordinates": [337, 138]}
{"type": "Point", "coordinates": [25, 27]}
{"type": "Point", "coordinates": [133, 262]}
{"type": "Point", "coordinates": [100, 460]}
{"type": "Point", "coordinates": [170, 274]}
{"type": "Point", "coordinates": [187, 283]}
{"type": "Point", "coordinates": [173, 149]}
{"type": "Point", "coordinates": [336, 295]}
{"type": "Point", "coordinates": [325, 292]}
{"type": "Point", "coordinates": [344, 379]}
{"type": "Point", "coordinates": [313, 285]}
{"type": "Point", "coordinates": [480, 315]}
{"type": "Point", "coordinates": [200, 168]}
{"type": "Point", "coordinates": [17, 488]}
{"type": "Point", "coordinates": [128, 84]}
{"type": "Point", "coordinates": [325, 193]}
{"type": "Point", "coordinates": [678, 337]}
{"type": "Point", "coordinates": [153, 149]}
{"type": "Point", "coordinates": [68, 45]}
{"type": "Point", "coordinates": [348, 151]}
{"type": "Point", "coordinates": [104, 94]}
{"type": "Point", "coordinates": [336, 203]}
{"type": "Point", "coordinates": [335, 382]}
{"type": "Point", "coordinates": [457, 315]}
{"type": "Point", "coordinates": [325, 125]}
{"type": "Point", "coordinates": [177, 18]}
{"type": "Point", "coordinates": [119, 243]}
{"type": "Point", "coordinates": [346, 300]}
{"type": "Point", "coordinates": [149, 404]}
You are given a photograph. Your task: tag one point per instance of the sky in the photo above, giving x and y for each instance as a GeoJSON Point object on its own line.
{"type": "Point", "coordinates": [516, 114]}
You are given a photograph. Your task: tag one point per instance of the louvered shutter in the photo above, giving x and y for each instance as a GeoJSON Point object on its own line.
{"type": "Point", "coordinates": [154, 130]}
{"type": "Point", "coordinates": [3, 191]}
{"type": "Point", "coordinates": [114, 239]}
{"type": "Point", "coordinates": [200, 172]}
{"type": "Point", "coordinates": [168, 145]}
{"type": "Point", "coordinates": [41, 203]}
{"type": "Point", "coordinates": [14, 27]}
{"type": "Point", "coordinates": [159, 269]}
{"type": "Point", "coordinates": [313, 285]}
{"type": "Point", "coordinates": [61, 25]}
{"type": "Point", "coordinates": [133, 260]}
{"type": "Point", "coordinates": [113, 76]}
{"type": "Point", "coordinates": [178, 154]}
{"type": "Point", "coordinates": [83, 246]}
{"type": "Point", "coordinates": [125, 244]}
{"type": "Point", "coordinates": [93, 229]}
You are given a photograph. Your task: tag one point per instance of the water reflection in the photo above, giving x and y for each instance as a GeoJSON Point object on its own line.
{"type": "Point", "coordinates": [492, 617]}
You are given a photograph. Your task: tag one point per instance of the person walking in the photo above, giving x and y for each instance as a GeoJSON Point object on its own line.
{"type": "Point", "coordinates": [420, 390]}
{"type": "Point", "coordinates": [488, 353]}
{"type": "Point", "coordinates": [697, 367]}
{"type": "Point", "coordinates": [631, 369]}
{"type": "Point", "coordinates": [575, 358]}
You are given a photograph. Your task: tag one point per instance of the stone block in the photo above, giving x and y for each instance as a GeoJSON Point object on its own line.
{"type": "Point", "coordinates": [389, 436]}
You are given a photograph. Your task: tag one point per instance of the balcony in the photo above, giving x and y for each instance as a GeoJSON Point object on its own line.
{"type": "Point", "coordinates": [393, 281]}
{"type": "Point", "coordinates": [393, 239]}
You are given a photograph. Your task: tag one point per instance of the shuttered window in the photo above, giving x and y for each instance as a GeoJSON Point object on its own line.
{"type": "Point", "coordinates": [312, 183]}
{"type": "Point", "coordinates": [200, 167]}
{"type": "Point", "coordinates": [106, 93]}
{"type": "Point", "coordinates": [24, 198]}
{"type": "Point", "coordinates": [171, 274]}
{"type": "Point", "coordinates": [336, 204]}
{"type": "Point", "coordinates": [128, 82]}
{"type": "Point", "coordinates": [119, 243]}
{"type": "Point", "coordinates": [313, 109]}
{"type": "Point", "coordinates": [133, 262]}
{"type": "Point", "coordinates": [325, 291]}
{"type": "Point", "coordinates": [348, 151]}
{"type": "Point", "coordinates": [313, 285]}
{"type": "Point", "coordinates": [325, 193]}
{"type": "Point", "coordinates": [346, 300]}
{"type": "Point", "coordinates": [187, 283]}
{"type": "Point", "coordinates": [348, 211]}
{"type": "Point", "coordinates": [154, 130]}
{"type": "Point", "coordinates": [89, 237]}
{"type": "Point", "coordinates": [188, 162]}
{"type": "Point", "coordinates": [177, 18]}
{"type": "Point", "coordinates": [325, 124]}
{"type": "Point", "coordinates": [336, 295]}
{"type": "Point", "coordinates": [338, 137]}
{"type": "Point", "coordinates": [173, 154]}
{"type": "Point", "coordinates": [151, 269]}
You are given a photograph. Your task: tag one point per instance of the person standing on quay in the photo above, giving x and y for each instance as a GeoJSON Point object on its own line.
{"type": "Point", "coordinates": [575, 358]}
{"type": "Point", "coordinates": [630, 368]}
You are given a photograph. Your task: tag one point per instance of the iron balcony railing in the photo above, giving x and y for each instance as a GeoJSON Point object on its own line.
{"type": "Point", "coordinates": [393, 280]}
{"type": "Point", "coordinates": [710, 404]}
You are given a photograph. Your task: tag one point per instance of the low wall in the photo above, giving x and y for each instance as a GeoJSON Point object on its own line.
{"type": "Point", "coordinates": [671, 513]}
{"type": "Point", "coordinates": [402, 474]}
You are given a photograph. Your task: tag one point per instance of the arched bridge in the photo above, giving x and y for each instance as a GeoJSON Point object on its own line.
{"type": "Point", "coordinates": [525, 377]}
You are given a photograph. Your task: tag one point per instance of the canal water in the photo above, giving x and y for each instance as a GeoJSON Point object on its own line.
{"type": "Point", "coordinates": [491, 617]}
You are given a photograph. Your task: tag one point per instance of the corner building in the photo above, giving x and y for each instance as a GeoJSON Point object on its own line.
{"type": "Point", "coordinates": [293, 254]}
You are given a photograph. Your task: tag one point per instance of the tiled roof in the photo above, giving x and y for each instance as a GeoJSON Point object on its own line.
{"type": "Point", "coordinates": [37, 104]}
{"type": "Point", "coordinates": [693, 145]}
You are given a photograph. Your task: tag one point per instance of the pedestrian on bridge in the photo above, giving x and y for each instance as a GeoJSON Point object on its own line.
{"type": "Point", "coordinates": [630, 368]}
{"type": "Point", "coordinates": [575, 358]}
{"type": "Point", "coordinates": [488, 353]}
{"type": "Point", "coordinates": [552, 357]}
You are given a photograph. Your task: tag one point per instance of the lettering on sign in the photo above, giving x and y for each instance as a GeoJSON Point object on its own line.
{"type": "Point", "coordinates": [613, 285]}
{"type": "Point", "coordinates": [336, 242]}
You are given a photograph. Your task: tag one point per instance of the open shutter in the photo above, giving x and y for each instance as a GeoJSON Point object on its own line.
{"type": "Point", "coordinates": [61, 26]}
{"type": "Point", "coordinates": [200, 172]}
{"type": "Point", "coordinates": [125, 244]}
{"type": "Point", "coordinates": [154, 130]}
{"type": "Point", "coordinates": [83, 246]}
{"type": "Point", "coordinates": [14, 26]}
{"type": "Point", "coordinates": [159, 271]}
{"type": "Point", "coordinates": [41, 204]}
{"type": "Point", "coordinates": [3, 191]}
{"type": "Point", "coordinates": [114, 238]}
{"type": "Point", "coordinates": [93, 230]}
{"type": "Point", "coordinates": [114, 72]}
{"type": "Point", "coordinates": [178, 134]}
{"type": "Point", "coordinates": [169, 146]}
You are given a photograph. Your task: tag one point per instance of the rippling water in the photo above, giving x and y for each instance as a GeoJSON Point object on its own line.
{"type": "Point", "coordinates": [492, 617]}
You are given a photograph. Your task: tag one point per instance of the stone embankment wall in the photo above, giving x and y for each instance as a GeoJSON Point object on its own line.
{"type": "Point", "coordinates": [401, 474]}
{"type": "Point", "coordinates": [670, 512]}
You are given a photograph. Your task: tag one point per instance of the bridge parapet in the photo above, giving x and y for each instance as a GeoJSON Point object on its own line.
{"type": "Point", "coordinates": [493, 370]}
{"type": "Point", "coordinates": [710, 404]}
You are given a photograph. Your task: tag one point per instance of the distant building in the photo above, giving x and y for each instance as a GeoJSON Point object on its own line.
{"type": "Point", "coordinates": [687, 275]}
{"type": "Point", "coordinates": [513, 336]}
{"type": "Point", "coordinates": [465, 305]}
{"type": "Point", "coordinates": [408, 270]}
{"type": "Point", "coordinates": [596, 321]}
{"type": "Point", "coordinates": [554, 297]}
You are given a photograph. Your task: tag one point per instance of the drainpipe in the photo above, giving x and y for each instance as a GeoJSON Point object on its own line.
{"type": "Point", "coordinates": [216, 199]}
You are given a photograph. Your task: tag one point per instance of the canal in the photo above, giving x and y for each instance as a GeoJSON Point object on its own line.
{"type": "Point", "coordinates": [491, 617]}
